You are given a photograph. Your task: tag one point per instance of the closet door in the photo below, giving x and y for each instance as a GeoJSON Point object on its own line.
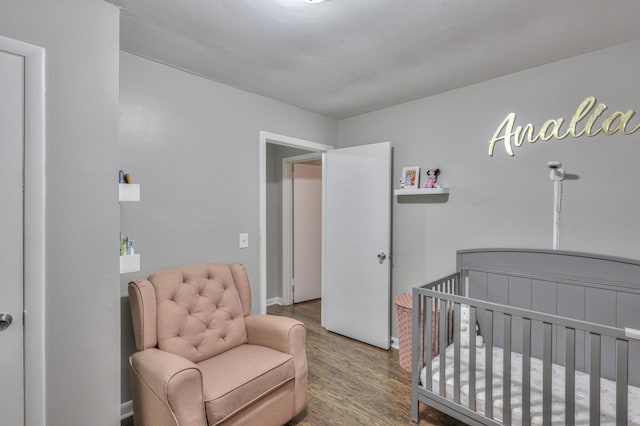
{"type": "Point", "coordinates": [11, 243]}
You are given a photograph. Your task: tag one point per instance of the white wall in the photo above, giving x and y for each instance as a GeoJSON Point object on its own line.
{"type": "Point", "coordinates": [192, 144]}
{"type": "Point", "coordinates": [82, 328]}
{"type": "Point", "coordinates": [501, 201]}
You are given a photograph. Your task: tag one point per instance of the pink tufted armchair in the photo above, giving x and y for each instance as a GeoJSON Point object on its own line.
{"type": "Point", "coordinates": [204, 359]}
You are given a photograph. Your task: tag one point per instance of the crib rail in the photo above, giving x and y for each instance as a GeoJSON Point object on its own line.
{"type": "Point", "coordinates": [449, 285]}
{"type": "Point", "coordinates": [442, 299]}
{"type": "Point", "coordinates": [443, 329]}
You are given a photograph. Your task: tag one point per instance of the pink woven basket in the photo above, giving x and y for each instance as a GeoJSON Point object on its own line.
{"type": "Point", "coordinates": [404, 313]}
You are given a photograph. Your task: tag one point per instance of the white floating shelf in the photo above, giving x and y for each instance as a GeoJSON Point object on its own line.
{"type": "Point", "coordinates": [129, 263]}
{"type": "Point", "coordinates": [421, 191]}
{"type": "Point", "coordinates": [129, 191]}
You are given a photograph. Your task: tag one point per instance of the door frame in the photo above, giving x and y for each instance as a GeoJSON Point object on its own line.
{"type": "Point", "coordinates": [287, 220]}
{"type": "Point", "coordinates": [33, 227]}
{"type": "Point", "coordinates": [263, 139]}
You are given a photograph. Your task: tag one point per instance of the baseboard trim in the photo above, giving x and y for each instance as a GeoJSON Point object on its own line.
{"type": "Point", "coordinates": [275, 301]}
{"type": "Point", "coordinates": [126, 410]}
{"type": "Point", "coordinates": [395, 344]}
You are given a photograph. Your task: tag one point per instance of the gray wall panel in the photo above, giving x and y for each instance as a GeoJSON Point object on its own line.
{"type": "Point", "coordinates": [571, 304]}
{"type": "Point", "coordinates": [543, 294]}
{"type": "Point", "coordinates": [536, 339]}
{"type": "Point", "coordinates": [628, 312]}
{"type": "Point", "coordinates": [565, 284]}
{"type": "Point", "coordinates": [478, 289]}
{"type": "Point", "coordinates": [519, 296]}
{"type": "Point", "coordinates": [478, 285]}
{"type": "Point", "coordinates": [608, 357]}
{"type": "Point", "coordinates": [498, 292]}
{"type": "Point", "coordinates": [581, 350]}
{"type": "Point", "coordinates": [498, 288]}
{"type": "Point", "coordinates": [520, 292]}
{"type": "Point", "coordinates": [600, 306]}
{"type": "Point", "coordinates": [571, 301]}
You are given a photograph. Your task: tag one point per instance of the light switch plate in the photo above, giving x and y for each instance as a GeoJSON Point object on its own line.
{"type": "Point", "coordinates": [243, 241]}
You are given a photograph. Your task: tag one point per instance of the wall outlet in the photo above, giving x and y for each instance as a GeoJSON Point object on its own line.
{"type": "Point", "coordinates": [243, 241]}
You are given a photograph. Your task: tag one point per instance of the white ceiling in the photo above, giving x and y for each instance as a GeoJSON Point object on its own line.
{"type": "Point", "coordinates": [346, 57]}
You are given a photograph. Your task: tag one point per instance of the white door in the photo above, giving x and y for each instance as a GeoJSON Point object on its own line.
{"type": "Point", "coordinates": [307, 230]}
{"type": "Point", "coordinates": [11, 229]}
{"type": "Point", "coordinates": [357, 240]}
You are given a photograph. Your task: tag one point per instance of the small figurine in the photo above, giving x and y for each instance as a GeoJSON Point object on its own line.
{"type": "Point", "coordinates": [403, 182]}
{"type": "Point", "coordinates": [432, 178]}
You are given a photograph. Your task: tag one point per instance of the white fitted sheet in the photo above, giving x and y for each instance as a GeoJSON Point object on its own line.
{"type": "Point", "coordinates": [607, 389]}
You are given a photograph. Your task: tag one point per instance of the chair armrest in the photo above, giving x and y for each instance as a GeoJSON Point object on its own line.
{"type": "Point", "coordinates": [280, 333]}
{"type": "Point", "coordinates": [175, 381]}
{"type": "Point", "coordinates": [285, 335]}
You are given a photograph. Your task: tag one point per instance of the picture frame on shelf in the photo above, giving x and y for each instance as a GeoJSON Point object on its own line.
{"type": "Point", "coordinates": [410, 178]}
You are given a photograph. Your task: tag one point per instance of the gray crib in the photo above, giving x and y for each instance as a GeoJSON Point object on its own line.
{"type": "Point", "coordinates": [574, 318]}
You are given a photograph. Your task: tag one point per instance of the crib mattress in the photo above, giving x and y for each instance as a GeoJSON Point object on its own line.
{"type": "Point", "coordinates": [607, 389]}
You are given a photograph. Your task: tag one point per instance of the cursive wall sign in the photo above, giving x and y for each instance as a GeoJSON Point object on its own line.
{"type": "Point", "coordinates": [512, 135]}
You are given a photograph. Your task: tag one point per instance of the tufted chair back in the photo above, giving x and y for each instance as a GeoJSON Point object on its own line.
{"type": "Point", "coordinates": [195, 311]}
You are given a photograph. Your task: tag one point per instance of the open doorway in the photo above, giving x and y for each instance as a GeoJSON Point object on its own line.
{"type": "Point", "coordinates": [272, 149]}
{"type": "Point", "coordinates": [355, 246]}
{"type": "Point", "coordinates": [301, 228]}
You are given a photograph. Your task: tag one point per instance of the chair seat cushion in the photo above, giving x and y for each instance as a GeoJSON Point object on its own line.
{"type": "Point", "coordinates": [240, 376]}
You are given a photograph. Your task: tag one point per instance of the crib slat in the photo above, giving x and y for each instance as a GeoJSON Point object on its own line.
{"type": "Point", "coordinates": [428, 342]}
{"type": "Point", "coordinates": [472, 358]}
{"type": "Point", "coordinates": [622, 365]}
{"type": "Point", "coordinates": [415, 354]}
{"type": "Point", "coordinates": [594, 380]}
{"type": "Point", "coordinates": [456, 353]}
{"type": "Point", "coordinates": [506, 371]}
{"type": "Point", "coordinates": [526, 372]}
{"type": "Point", "coordinates": [547, 347]}
{"type": "Point", "coordinates": [443, 305]}
{"type": "Point", "coordinates": [488, 379]}
{"type": "Point", "coordinates": [570, 377]}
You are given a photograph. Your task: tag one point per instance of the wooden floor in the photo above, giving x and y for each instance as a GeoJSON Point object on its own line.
{"type": "Point", "coordinates": [352, 383]}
